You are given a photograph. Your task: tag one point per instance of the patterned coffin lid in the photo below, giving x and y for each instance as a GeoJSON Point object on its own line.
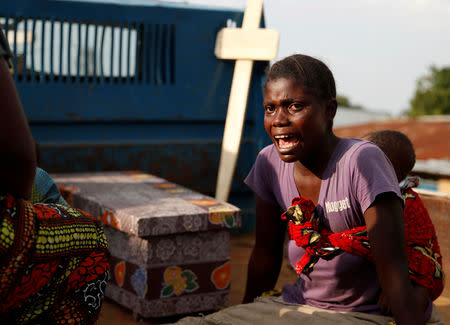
{"type": "Point", "coordinates": [145, 205]}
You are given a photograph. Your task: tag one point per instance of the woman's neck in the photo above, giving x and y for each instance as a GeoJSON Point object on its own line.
{"type": "Point", "coordinates": [318, 161]}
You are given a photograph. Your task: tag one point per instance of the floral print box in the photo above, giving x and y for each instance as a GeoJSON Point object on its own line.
{"type": "Point", "coordinates": [169, 245]}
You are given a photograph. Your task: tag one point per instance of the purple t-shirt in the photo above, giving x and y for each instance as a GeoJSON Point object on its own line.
{"type": "Point", "coordinates": [357, 172]}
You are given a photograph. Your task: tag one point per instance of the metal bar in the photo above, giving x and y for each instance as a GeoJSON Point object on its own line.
{"type": "Point", "coordinates": [154, 51]}
{"type": "Point", "coordinates": [42, 77]}
{"type": "Point", "coordinates": [120, 51]}
{"type": "Point", "coordinates": [102, 75]}
{"type": "Point", "coordinates": [33, 32]}
{"type": "Point", "coordinates": [111, 71]}
{"type": "Point", "coordinates": [128, 52]}
{"type": "Point", "coordinates": [94, 74]}
{"type": "Point", "coordinates": [166, 61]}
{"type": "Point", "coordinates": [61, 42]}
{"type": "Point", "coordinates": [146, 52]}
{"type": "Point", "coordinates": [172, 54]}
{"type": "Point", "coordinates": [86, 52]}
{"type": "Point", "coordinates": [158, 49]}
{"type": "Point", "coordinates": [52, 22]}
{"type": "Point", "coordinates": [150, 53]}
{"type": "Point", "coordinates": [78, 52]}
{"type": "Point", "coordinates": [139, 52]}
{"type": "Point", "coordinates": [25, 48]}
{"type": "Point", "coordinates": [69, 52]}
{"type": "Point", "coordinates": [137, 64]}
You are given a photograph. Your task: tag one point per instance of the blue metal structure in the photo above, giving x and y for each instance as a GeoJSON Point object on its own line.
{"type": "Point", "coordinates": [110, 85]}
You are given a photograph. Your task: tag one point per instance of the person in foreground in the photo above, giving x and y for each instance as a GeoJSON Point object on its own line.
{"type": "Point", "coordinates": [422, 248]}
{"type": "Point", "coordinates": [352, 183]}
{"type": "Point", "coordinates": [54, 260]}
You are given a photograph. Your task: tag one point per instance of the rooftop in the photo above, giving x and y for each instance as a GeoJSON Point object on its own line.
{"type": "Point", "coordinates": [430, 136]}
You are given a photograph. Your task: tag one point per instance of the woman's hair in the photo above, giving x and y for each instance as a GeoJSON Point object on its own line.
{"type": "Point", "coordinates": [307, 71]}
{"type": "Point", "coordinates": [397, 147]}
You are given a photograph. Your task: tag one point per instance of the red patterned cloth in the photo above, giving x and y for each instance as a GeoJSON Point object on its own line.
{"type": "Point", "coordinates": [54, 264]}
{"type": "Point", "coordinates": [424, 257]}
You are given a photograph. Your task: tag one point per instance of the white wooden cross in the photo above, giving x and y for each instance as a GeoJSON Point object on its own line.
{"type": "Point", "coordinates": [244, 45]}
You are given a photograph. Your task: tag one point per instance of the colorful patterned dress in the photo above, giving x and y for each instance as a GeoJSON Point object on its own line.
{"type": "Point", "coordinates": [54, 264]}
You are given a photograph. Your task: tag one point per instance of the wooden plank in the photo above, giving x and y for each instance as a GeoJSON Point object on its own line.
{"type": "Point", "coordinates": [236, 108]}
{"type": "Point", "coordinates": [233, 127]}
{"type": "Point", "coordinates": [251, 44]}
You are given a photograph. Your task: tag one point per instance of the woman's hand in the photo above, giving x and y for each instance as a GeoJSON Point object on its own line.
{"type": "Point", "coordinates": [421, 294]}
{"type": "Point", "coordinates": [267, 255]}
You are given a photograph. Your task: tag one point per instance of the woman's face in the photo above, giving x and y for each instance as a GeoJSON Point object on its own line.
{"type": "Point", "coordinates": [296, 120]}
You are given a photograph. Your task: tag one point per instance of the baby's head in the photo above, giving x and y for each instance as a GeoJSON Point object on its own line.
{"type": "Point", "coordinates": [308, 72]}
{"type": "Point", "coordinates": [397, 147]}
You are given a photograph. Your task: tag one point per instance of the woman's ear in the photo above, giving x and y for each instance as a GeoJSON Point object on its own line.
{"type": "Point", "coordinates": [331, 108]}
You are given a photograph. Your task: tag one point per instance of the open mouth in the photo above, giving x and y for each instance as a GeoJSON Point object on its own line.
{"type": "Point", "coordinates": [286, 141]}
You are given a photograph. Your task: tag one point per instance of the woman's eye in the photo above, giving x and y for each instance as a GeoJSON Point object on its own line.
{"type": "Point", "coordinates": [269, 108]}
{"type": "Point", "coordinates": [296, 107]}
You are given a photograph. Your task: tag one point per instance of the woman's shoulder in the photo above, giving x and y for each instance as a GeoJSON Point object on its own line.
{"type": "Point", "coordinates": [268, 151]}
{"type": "Point", "coordinates": [268, 155]}
{"type": "Point", "coordinates": [355, 144]}
{"type": "Point", "coordinates": [357, 154]}
{"type": "Point", "coordinates": [353, 148]}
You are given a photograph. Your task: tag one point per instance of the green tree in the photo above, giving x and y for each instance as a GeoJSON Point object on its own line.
{"type": "Point", "coordinates": [432, 96]}
{"type": "Point", "coordinates": [343, 100]}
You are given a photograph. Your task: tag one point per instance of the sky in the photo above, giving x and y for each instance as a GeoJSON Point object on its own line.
{"type": "Point", "coordinates": [376, 49]}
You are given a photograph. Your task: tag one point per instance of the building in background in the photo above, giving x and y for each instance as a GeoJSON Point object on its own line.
{"type": "Point", "coordinates": [346, 116]}
{"type": "Point", "coordinates": [430, 136]}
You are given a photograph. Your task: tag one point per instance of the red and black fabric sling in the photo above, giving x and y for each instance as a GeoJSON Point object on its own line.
{"type": "Point", "coordinates": [423, 253]}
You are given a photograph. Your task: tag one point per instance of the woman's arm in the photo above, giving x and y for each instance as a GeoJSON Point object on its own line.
{"type": "Point", "coordinates": [17, 153]}
{"type": "Point", "coordinates": [384, 220]}
{"type": "Point", "coordinates": [267, 255]}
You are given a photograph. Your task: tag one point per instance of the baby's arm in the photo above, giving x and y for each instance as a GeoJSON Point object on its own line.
{"type": "Point", "coordinates": [17, 152]}
{"type": "Point", "coordinates": [384, 220]}
{"type": "Point", "coordinates": [267, 255]}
